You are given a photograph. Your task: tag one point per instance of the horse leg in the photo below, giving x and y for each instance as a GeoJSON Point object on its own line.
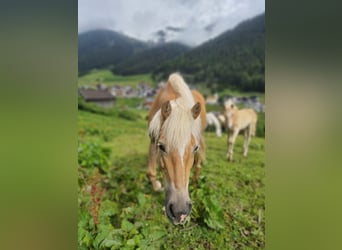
{"type": "Point", "coordinates": [231, 141]}
{"type": "Point", "coordinates": [152, 173]}
{"type": "Point", "coordinates": [198, 168]}
{"type": "Point", "coordinates": [218, 129]}
{"type": "Point", "coordinates": [248, 134]}
{"type": "Point", "coordinates": [199, 158]}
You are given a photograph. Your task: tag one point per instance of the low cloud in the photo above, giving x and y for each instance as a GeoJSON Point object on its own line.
{"type": "Point", "coordinates": [175, 29]}
{"type": "Point", "coordinates": [189, 21]}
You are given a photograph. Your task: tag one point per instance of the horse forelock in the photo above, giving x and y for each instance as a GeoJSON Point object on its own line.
{"type": "Point", "coordinates": [177, 128]}
{"type": "Point", "coordinates": [180, 125]}
{"type": "Point", "coordinates": [181, 88]}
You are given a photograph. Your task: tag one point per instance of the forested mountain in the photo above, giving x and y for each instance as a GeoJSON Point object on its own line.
{"type": "Point", "coordinates": [102, 48]}
{"type": "Point", "coordinates": [234, 59]}
{"type": "Point", "coordinates": [148, 60]}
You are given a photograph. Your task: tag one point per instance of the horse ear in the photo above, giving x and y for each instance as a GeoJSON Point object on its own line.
{"type": "Point", "coordinates": [196, 110]}
{"type": "Point", "coordinates": [166, 110]}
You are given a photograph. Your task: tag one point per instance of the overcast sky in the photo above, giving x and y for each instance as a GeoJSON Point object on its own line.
{"type": "Point", "coordinates": [189, 21]}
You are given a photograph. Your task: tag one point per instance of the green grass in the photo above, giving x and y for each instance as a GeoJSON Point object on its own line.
{"type": "Point", "coordinates": [108, 78]}
{"type": "Point", "coordinates": [228, 206]}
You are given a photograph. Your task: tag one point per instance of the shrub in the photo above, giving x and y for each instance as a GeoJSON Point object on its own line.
{"type": "Point", "coordinates": [122, 111]}
{"type": "Point", "coordinates": [93, 108]}
{"type": "Point", "coordinates": [128, 115]}
{"type": "Point", "coordinates": [207, 210]}
{"type": "Point", "coordinates": [92, 154]}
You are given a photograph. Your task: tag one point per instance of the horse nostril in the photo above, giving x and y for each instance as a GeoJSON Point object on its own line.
{"type": "Point", "coordinates": [190, 207]}
{"type": "Point", "coordinates": [171, 210]}
{"type": "Point", "coordinates": [178, 213]}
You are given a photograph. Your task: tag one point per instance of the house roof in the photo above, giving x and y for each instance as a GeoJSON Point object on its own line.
{"type": "Point", "coordinates": [96, 95]}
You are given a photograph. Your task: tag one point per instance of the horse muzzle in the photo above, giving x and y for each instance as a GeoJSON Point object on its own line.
{"type": "Point", "coordinates": [178, 207]}
{"type": "Point", "coordinates": [178, 214]}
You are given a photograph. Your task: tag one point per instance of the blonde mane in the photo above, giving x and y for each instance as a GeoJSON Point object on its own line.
{"type": "Point", "coordinates": [180, 125]}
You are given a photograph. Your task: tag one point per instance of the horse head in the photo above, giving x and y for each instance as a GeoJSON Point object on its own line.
{"type": "Point", "coordinates": [177, 142]}
{"type": "Point", "coordinates": [229, 110]}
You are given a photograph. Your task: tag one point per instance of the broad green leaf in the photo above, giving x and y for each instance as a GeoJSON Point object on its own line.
{"type": "Point", "coordinates": [111, 243]}
{"type": "Point", "coordinates": [126, 226]}
{"type": "Point", "coordinates": [131, 242]}
{"type": "Point", "coordinates": [141, 199]}
{"type": "Point", "coordinates": [156, 235]}
{"type": "Point", "coordinates": [109, 208]}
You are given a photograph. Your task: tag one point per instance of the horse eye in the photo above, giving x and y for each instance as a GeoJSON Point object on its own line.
{"type": "Point", "coordinates": [162, 147]}
{"type": "Point", "coordinates": [196, 148]}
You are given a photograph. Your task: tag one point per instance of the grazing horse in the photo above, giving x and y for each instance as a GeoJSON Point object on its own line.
{"type": "Point", "coordinates": [176, 123]}
{"type": "Point", "coordinates": [236, 120]}
{"type": "Point", "coordinates": [212, 120]}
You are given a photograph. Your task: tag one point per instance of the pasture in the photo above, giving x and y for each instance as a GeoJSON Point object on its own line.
{"type": "Point", "coordinates": [107, 77]}
{"type": "Point", "coordinates": [118, 208]}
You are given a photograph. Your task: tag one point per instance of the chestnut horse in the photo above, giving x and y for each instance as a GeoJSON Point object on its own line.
{"type": "Point", "coordinates": [176, 122]}
{"type": "Point", "coordinates": [236, 120]}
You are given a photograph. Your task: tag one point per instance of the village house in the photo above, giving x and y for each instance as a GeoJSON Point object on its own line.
{"type": "Point", "coordinates": [212, 99]}
{"type": "Point", "coordinates": [148, 103]}
{"type": "Point", "coordinates": [123, 91]}
{"type": "Point", "coordinates": [144, 89]}
{"type": "Point", "coordinates": [98, 96]}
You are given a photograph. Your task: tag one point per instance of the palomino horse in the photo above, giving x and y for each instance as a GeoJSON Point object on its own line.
{"type": "Point", "coordinates": [176, 123]}
{"type": "Point", "coordinates": [236, 120]}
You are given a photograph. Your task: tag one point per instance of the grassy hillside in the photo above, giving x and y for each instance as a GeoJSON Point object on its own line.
{"type": "Point", "coordinates": [108, 78]}
{"type": "Point", "coordinates": [119, 210]}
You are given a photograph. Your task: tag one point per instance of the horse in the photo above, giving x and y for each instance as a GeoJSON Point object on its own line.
{"type": "Point", "coordinates": [222, 120]}
{"type": "Point", "coordinates": [176, 123]}
{"type": "Point", "coordinates": [236, 120]}
{"type": "Point", "coordinates": [212, 120]}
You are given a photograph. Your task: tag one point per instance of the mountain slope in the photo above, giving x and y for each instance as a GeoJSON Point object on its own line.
{"type": "Point", "coordinates": [102, 48]}
{"type": "Point", "coordinates": [234, 59]}
{"type": "Point", "coordinates": [148, 60]}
